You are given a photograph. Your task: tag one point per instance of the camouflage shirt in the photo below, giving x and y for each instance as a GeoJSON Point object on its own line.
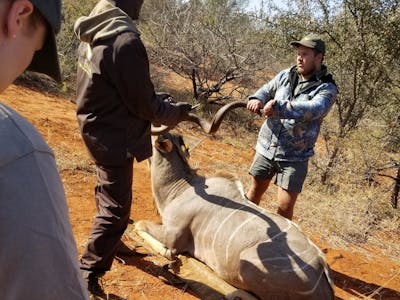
{"type": "Point", "coordinates": [292, 130]}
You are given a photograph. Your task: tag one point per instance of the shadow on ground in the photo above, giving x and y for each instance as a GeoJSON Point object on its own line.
{"type": "Point", "coordinates": [361, 289]}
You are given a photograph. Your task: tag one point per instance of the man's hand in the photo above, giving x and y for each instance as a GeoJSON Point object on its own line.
{"type": "Point", "coordinates": [185, 110]}
{"type": "Point", "coordinates": [254, 105]}
{"type": "Point", "coordinates": [165, 97]}
{"type": "Point", "coordinates": [268, 108]}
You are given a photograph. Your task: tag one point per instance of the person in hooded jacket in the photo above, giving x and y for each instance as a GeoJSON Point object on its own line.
{"type": "Point", "coordinates": [295, 103]}
{"type": "Point", "coordinates": [116, 104]}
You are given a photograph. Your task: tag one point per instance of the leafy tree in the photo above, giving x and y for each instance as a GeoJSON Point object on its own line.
{"type": "Point", "coordinates": [364, 64]}
{"type": "Point", "coordinates": [212, 43]}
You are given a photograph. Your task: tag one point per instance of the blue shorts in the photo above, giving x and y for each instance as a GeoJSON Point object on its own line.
{"type": "Point", "coordinates": [290, 175]}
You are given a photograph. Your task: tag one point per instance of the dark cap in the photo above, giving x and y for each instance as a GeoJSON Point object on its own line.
{"type": "Point", "coordinates": [46, 59]}
{"type": "Point", "coordinates": [312, 41]}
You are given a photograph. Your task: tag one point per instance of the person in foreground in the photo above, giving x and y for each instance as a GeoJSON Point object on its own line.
{"type": "Point", "coordinates": [38, 255]}
{"type": "Point", "coordinates": [294, 103]}
{"type": "Point", "coordinates": [116, 104]}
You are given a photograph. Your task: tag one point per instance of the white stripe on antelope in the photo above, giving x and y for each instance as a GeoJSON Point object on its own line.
{"type": "Point", "coordinates": [248, 247]}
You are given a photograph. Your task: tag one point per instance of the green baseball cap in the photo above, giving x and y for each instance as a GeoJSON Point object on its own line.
{"type": "Point", "coordinates": [312, 41]}
{"type": "Point", "coordinates": [46, 59]}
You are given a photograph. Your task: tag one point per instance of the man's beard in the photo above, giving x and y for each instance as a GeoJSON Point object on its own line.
{"type": "Point", "coordinates": [306, 73]}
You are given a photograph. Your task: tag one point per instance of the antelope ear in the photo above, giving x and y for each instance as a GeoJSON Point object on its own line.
{"type": "Point", "coordinates": [164, 145]}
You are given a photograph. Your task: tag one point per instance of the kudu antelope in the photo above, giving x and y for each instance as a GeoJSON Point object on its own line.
{"type": "Point", "coordinates": [248, 247]}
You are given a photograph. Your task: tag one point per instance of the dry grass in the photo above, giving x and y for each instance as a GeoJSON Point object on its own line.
{"type": "Point", "coordinates": [348, 217]}
{"type": "Point", "coordinates": [72, 161]}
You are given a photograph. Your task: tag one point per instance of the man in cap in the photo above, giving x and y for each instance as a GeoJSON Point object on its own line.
{"type": "Point", "coordinates": [294, 104]}
{"type": "Point", "coordinates": [38, 251]}
{"type": "Point", "coordinates": [116, 104]}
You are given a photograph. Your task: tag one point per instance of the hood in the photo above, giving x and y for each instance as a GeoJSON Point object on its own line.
{"type": "Point", "coordinates": [322, 75]}
{"type": "Point", "coordinates": [105, 21]}
{"type": "Point", "coordinates": [325, 76]}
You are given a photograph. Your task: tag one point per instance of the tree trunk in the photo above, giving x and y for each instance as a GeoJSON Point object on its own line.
{"type": "Point", "coordinates": [396, 189]}
{"type": "Point", "coordinates": [326, 173]}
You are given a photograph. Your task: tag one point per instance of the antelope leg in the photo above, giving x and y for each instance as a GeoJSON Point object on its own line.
{"type": "Point", "coordinates": [199, 276]}
{"type": "Point", "coordinates": [157, 246]}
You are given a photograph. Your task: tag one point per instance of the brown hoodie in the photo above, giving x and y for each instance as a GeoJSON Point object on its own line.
{"type": "Point", "coordinates": [116, 102]}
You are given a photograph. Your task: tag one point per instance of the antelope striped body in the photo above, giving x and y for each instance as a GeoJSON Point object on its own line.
{"type": "Point", "coordinates": [245, 245]}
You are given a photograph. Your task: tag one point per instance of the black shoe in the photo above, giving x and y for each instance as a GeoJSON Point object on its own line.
{"type": "Point", "coordinates": [94, 287]}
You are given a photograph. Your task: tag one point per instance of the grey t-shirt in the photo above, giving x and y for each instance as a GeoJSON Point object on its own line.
{"type": "Point", "coordinates": [38, 255]}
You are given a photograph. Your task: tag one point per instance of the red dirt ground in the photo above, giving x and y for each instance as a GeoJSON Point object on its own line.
{"type": "Point", "coordinates": [366, 276]}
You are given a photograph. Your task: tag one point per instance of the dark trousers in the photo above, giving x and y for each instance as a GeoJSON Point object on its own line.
{"type": "Point", "coordinates": [113, 195]}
